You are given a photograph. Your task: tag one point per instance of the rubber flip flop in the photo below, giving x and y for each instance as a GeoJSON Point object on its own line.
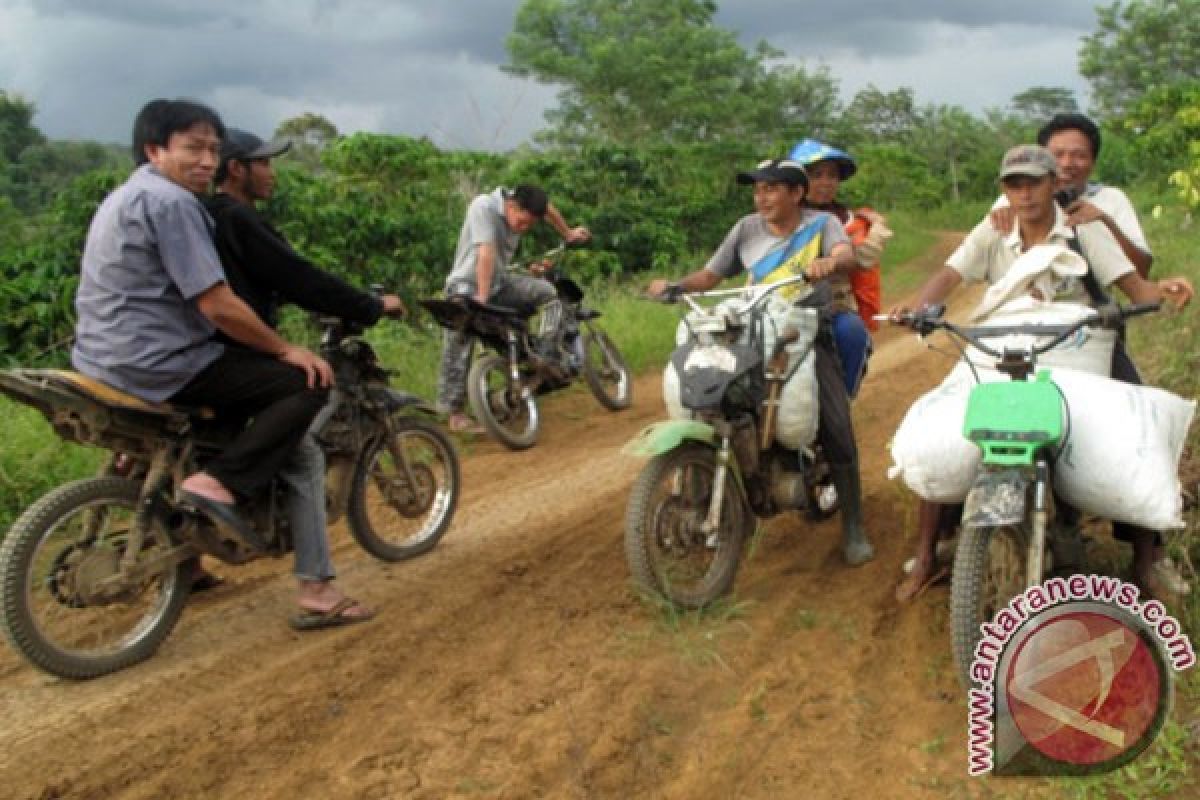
{"type": "Point", "coordinates": [335, 617]}
{"type": "Point", "coordinates": [910, 590]}
{"type": "Point", "coordinates": [206, 581]}
{"type": "Point", "coordinates": [224, 515]}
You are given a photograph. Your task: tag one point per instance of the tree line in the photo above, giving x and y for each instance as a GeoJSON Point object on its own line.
{"type": "Point", "coordinates": [658, 107]}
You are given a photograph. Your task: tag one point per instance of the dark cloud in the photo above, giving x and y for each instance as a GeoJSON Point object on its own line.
{"type": "Point", "coordinates": [432, 68]}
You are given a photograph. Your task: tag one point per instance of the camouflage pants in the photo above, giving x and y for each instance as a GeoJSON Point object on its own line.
{"type": "Point", "coordinates": [522, 292]}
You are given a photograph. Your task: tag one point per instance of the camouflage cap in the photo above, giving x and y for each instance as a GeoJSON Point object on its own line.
{"type": "Point", "coordinates": [1028, 159]}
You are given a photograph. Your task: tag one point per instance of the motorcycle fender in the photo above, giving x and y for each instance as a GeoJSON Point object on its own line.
{"type": "Point", "coordinates": [997, 498]}
{"type": "Point", "coordinates": [396, 400]}
{"type": "Point", "coordinates": [662, 437]}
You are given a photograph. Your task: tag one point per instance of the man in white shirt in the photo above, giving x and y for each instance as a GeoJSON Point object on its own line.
{"type": "Point", "coordinates": [1029, 177]}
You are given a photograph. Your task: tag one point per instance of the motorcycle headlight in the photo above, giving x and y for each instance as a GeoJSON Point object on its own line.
{"type": "Point", "coordinates": [710, 357]}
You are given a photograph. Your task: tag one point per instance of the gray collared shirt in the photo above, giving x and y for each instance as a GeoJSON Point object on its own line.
{"type": "Point", "coordinates": [149, 254]}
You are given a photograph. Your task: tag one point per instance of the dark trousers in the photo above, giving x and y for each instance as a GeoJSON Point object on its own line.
{"type": "Point", "coordinates": [273, 395]}
{"type": "Point", "coordinates": [835, 431]}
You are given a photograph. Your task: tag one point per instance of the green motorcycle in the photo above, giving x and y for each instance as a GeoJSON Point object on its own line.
{"type": "Point", "coordinates": [1012, 535]}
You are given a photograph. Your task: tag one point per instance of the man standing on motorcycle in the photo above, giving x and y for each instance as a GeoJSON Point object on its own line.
{"type": "Point", "coordinates": [1028, 177]}
{"type": "Point", "coordinates": [151, 295]}
{"type": "Point", "coordinates": [263, 269]}
{"type": "Point", "coordinates": [781, 239]}
{"type": "Point", "coordinates": [486, 245]}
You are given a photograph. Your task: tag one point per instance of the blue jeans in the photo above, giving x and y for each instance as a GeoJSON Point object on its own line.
{"type": "Point", "coordinates": [304, 475]}
{"type": "Point", "coordinates": [853, 346]}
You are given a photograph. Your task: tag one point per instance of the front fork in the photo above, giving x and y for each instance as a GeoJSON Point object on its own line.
{"type": "Point", "coordinates": [712, 522]}
{"type": "Point", "coordinates": [1039, 518]}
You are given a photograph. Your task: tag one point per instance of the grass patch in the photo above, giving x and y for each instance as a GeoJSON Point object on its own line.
{"type": "Point", "coordinates": [33, 460]}
{"type": "Point", "coordinates": [697, 635]}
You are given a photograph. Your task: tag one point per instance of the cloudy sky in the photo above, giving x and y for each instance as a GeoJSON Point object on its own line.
{"type": "Point", "coordinates": [431, 67]}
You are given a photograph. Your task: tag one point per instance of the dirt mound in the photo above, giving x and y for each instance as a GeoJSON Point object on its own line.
{"type": "Point", "coordinates": [514, 661]}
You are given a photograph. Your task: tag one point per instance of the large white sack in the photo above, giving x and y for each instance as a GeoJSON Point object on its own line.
{"type": "Point", "coordinates": [796, 418]}
{"type": "Point", "coordinates": [1087, 350]}
{"type": "Point", "coordinates": [1119, 461]}
{"type": "Point", "coordinates": [929, 452]}
{"type": "Point", "coordinates": [1121, 457]}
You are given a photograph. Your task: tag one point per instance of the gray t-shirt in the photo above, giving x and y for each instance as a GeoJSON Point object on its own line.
{"type": "Point", "coordinates": [750, 241]}
{"type": "Point", "coordinates": [149, 254]}
{"type": "Point", "coordinates": [484, 224]}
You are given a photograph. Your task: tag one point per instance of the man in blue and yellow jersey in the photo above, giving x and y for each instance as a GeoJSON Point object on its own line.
{"type": "Point", "coordinates": [780, 239]}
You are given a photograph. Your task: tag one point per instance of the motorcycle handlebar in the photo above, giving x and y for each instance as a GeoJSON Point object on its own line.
{"type": "Point", "coordinates": [930, 319]}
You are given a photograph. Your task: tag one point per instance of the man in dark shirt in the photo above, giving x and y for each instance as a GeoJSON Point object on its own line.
{"type": "Point", "coordinates": [264, 270]}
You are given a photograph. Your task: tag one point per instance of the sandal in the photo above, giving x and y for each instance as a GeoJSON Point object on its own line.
{"type": "Point", "coordinates": [461, 423]}
{"type": "Point", "coordinates": [336, 617]}
{"type": "Point", "coordinates": [910, 588]}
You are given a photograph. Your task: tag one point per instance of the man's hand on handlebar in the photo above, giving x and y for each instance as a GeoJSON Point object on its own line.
{"type": "Point", "coordinates": [577, 235]}
{"type": "Point", "coordinates": [821, 268]}
{"type": "Point", "coordinates": [316, 369]}
{"type": "Point", "coordinates": [1178, 291]}
{"type": "Point", "coordinates": [393, 306]}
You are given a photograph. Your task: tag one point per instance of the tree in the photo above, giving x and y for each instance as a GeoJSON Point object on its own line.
{"type": "Point", "coordinates": [16, 126]}
{"type": "Point", "coordinates": [1138, 47]}
{"type": "Point", "coordinates": [633, 72]}
{"type": "Point", "coordinates": [875, 115]}
{"type": "Point", "coordinates": [1040, 103]}
{"type": "Point", "coordinates": [310, 134]}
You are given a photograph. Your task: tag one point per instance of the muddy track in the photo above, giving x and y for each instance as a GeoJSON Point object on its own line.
{"type": "Point", "coordinates": [514, 660]}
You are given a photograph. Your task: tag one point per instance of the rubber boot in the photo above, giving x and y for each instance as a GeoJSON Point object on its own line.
{"type": "Point", "coordinates": [856, 548]}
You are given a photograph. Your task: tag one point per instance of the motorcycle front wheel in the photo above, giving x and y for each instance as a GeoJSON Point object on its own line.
{"type": "Point", "coordinates": [405, 490]}
{"type": "Point", "coordinates": [509, 413]}
{"type": "Point", "coordinates": [669, 553]}
{"type": "Point", "coordinates": [605, 371]}
{"type": "Point", "coordinates": [60, 609]}
{"type": "Point", "coordinates": [989, 571]}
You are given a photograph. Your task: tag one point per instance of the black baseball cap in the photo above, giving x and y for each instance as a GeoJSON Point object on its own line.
{"type": "Point", "coordinates": [776, 170]}
{"type": "Point", "coordinates": [245, 146]}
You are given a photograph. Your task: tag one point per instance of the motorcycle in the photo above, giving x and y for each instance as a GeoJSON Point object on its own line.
{"type": "Point", "coordinates": [1014, 531]}
{"type": "Point", "coordinates": [95, 574]}
{"type": "Point", "coordinates": [503, 385]}
{"type": "Point", "coordinates": [712, 476]}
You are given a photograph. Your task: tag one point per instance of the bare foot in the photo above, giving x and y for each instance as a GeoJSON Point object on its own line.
{"type": "Point", "coordinates": [323, 597]}
{"type": "Point", "coordinates": [205, 485]}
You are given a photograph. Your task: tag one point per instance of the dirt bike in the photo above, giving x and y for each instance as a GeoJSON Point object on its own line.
{"type": "Point", "coordinates": [1014, 532]}
{"type": "Point", "coordinates": [95, 574]}
{"type": "Point", "coordinates": [503, 385]}
{"type": "Point", "coordinates": [711, 477]}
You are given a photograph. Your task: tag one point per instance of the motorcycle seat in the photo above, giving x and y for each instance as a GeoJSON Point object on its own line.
{"type": "Point", "coordinates": [586, 313]}
{"type": "Point", "coordinates": [107, 395]}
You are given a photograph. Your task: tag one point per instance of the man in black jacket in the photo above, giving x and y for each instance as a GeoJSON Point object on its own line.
{"type": "Point", "coordinates": [263, 269]}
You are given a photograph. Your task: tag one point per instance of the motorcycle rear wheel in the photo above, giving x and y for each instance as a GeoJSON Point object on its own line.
{"type": "Point", "coordinates": [668, 553]}
{"type": "Point", "coordinates": [51, 563]}
{"type": "Point", "coordinates": [989, 571]}
{"type": "Point", "coordinates": [605, 371]}
{"type": "Point", "coordinates": [397, 513]}
{"type": "Point", "coordinates": [512, 420]}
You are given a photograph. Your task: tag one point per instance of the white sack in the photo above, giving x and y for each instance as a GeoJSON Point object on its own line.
{"type": "Point", "coordinates": [1120, 460]}
{"type": "Point", "coordinates": [796, 419]}
{"type": "Point", "coordinates": [1087, 350]}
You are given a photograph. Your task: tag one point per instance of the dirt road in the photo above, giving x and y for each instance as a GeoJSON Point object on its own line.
{"type": "Point", "coordinates": [515, 662]}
